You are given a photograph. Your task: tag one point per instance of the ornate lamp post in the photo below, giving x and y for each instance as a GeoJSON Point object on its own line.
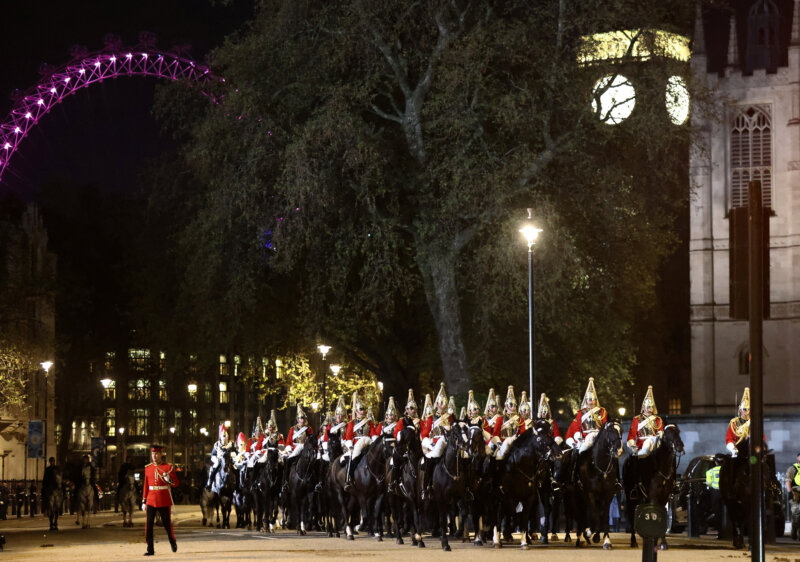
{"type": "Point", "coordinates": [531, 233]}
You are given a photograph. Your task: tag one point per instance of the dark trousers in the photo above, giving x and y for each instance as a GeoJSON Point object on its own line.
{"type": "Point", "coordinates": [166, 520]}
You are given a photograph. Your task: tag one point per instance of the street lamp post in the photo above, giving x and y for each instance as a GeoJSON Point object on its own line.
{"type": "Point", "coordinates": [46, 366]}
{"type": "Point", "coordinates": [324, 349]}
{"type": "Point", "coordinates": [121, 446]}
{"type": "Point", "coordinates": [530, 232]}
{"type": "Point", "coordinates": [172, 443]}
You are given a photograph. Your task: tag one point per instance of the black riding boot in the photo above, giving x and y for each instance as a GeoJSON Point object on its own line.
{"type": "Point", "coordinates": [348, 477]}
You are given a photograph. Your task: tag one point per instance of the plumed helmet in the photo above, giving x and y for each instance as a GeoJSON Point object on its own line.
{"type": "Point", "coordinates": [463, 413]}
{"type": "Point", "coordinates": [391, 409]}
{"type": "Point", "coordinates": [590, 393]}
{"type": "Point", "coordinates": [223, 433]}
{"type": "Point", "coordinates": [451, 406]}
{"type": "Point", "coordinates": [649, 401]}
{"type": "Point", "coordinates": [491, 400]}
{"type": "Point", "coordinates": [472, 405]}
{"type": "Point", "coordinates": [427, 409]}
{"type": "Point", "coordinates": [241, 442]}
{"type": "Point", "coordinates": [300, 412]}
{"type": "Point", "coordinates": [745, 403]}
{"type": "Point", "coordinates": [524, 404]}
{"type": "Point", "coordinates": [258, 428]}
{"type": "Point", "coordinates": [410, 402]}
{"type": "Point", "coordinates": [328, 419]}
{"type": "Point", "coordinates": [272, 424]}
{"type": "Point", "coordinates": [441, 398]}
{"type": "Point", "coordinates": [341, 408]}
{"type": "Point", "coordinates": [357, 404]}
{"type": "Point", "coordinates": [369, 414]}
{"type": "Point", "coordinates": [544, 412]}
{"type": "Point", "coordinates": [511, 400]}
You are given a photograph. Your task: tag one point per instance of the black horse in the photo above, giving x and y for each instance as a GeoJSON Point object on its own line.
{"type": "Point", "coordinates": [598, 481]}
{"type": "Point", "coordinates": [270, 481]}
{"type": "Point", "coordinates": [221, 494]}
{"type": "Point", "coordinates": [369, 484]}
{"type": "Point", "coordinates": [302, 481]}
{"type": "Point", "coordinates": [404, 499]}
{"type": "Point", "coordinates": [128, 499]}
{"type": "Point", "coordinates": [527, 462]}
{"type": "Point", "coordinates": [656, 473]}
{"type": "Point", "coordinates": [342, 505]}
{"type": "Point", "coordinates": [242, 500]}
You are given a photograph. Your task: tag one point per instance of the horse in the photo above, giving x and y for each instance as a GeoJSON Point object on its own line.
{"type": "Point", "coordinates": [405, 501]}
{"type": "Point", "coordinates": [369, 483]}
{"type": "Point", "coordinates": [53, 499]}
{"type": "Point", "coordinates": [527, 462]}
{"type": "Point", "coordinates": [476, 474]}
{"type": "Point", "coordinates": [128, 496]}
{"type": "Point", "coordinates": [270, 480]}
{"type": "Point", "coordinates": [241, 496]}
{"type": "Point", "coordinates": [598, 481]}
{"type": "Point", "coordinates": [341, 503]}
{"type": "Point", "coordinates": [547, 485]}
{"type": "Point", "coordinates": [735, 486]}
{"type": "Point", "coordinates": [302, 482]}
{"type": "Point", "coordinates": [85, 497]}
{"type": "Point", "coordinates": [656, 472]}
{"type": "Point", "coordinates": [221, 494]}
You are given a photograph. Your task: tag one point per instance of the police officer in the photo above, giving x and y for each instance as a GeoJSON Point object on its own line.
{"type": "Point", "coordinates": [159, 478]}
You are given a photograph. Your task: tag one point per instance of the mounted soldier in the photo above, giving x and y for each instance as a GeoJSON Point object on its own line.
{"type": "Point", "coordinates": [590, 418]}
{"type": "Point", "coordinates": [509, 429]}
{"type": "Point", "coordinates": [739, 427]}
{"type": "Point", "coordinates": [273, 437]}
{"type": "Point", "coordinates": [241, 454]}
{"type": "Point", "coordinates": [389, 425]}
{"type": "Point", "coordinates": [256, 440]}
{"type": "Point", "coordinates": [493, 419]}
{"type": "Point", "coordinates": [410, 412]}
{"type": "Point", "coordinates": [358, 435]}
{"type": "Point", "coordinates": [335, 427]}
{"type": "Point", "coordinates": [295, 441]}
{"type": "Point", "coordinates": [435, 429]}
{"type": "Point", "coordinates": [524, 408]}
{"type": "Point", "coordinates": [222, 447]}
{"type": "Point", "coordinates": [646, 428]}
{"type": "Point", "coordinates": [543, 412]}
{"type": "Point", "coordinates": [451, 407]}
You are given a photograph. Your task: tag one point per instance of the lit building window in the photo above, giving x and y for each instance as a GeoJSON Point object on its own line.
{"type": "Point", "coordinates": [139, 359]}
{"type": "Point", "coordinates": [109, 363]}
{"type": "Point", "coordinates": [162, 390]}
{"type": "Point", "coordinates": [139, 389]}
{"type": "Point", "coordinates": [208, 396]}
{"type": "Point", "coordinates": [178, 418]}
{"type": "Point", "coordinates": [139, 421]}
{"type": "Point", "coordinates": [111, 422]}
{"type": "Point", "coordinates": [110, 391]}
{"type": "Point", "coordinates": [674, 405]}
{"type": "Point", "coordinates": [223, 365]}
{"type": "Point", "coordinates": [162, 421]}
{"type": "Point", "coordinates": [193, 421]}
{"type": "Point", "coordinates": [224, 396]}
{"type": "Point", "coordinates": [751, 153]}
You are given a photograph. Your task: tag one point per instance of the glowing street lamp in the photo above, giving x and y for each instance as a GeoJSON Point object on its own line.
{"type": "Point", "coordinates": [106, 382]}
{"type": "Point", "coordinates": [531, 233]}
{"type": "Point", "coordinates": [46, 365]}
{"type": "Point", "coordinates": [172, 443]}
{"type": "Point", "coordinates": [622, 411]}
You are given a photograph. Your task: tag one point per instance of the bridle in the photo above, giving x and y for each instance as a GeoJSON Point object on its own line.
{"type": "Point", "coordinates": [611, 448]}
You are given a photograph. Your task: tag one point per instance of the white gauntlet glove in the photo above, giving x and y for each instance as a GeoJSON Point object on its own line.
{"type": "Point", "coordinates": [732, 448]}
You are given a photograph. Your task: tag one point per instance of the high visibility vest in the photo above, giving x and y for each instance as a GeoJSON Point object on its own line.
{"type": "Point", "coordinates": [712, 477]}
{"type": "Point", "coordinates": [796, 474]}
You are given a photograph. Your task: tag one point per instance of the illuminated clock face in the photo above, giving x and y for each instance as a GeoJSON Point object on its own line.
{"type": "Point", "coordinates": [613, 99]}
{"type": "Point", "coordinates": [677, 100]}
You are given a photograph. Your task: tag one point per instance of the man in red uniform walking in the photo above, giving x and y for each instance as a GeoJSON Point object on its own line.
{"type": "Point", "coordinates": [159, 477]}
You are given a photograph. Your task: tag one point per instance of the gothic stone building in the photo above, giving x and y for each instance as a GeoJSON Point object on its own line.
{"type": "Point", "coordinates": [750, 57]}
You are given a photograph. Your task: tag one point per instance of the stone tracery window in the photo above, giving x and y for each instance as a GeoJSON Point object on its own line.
{"type": "Point", "coordinates": [751, 153]}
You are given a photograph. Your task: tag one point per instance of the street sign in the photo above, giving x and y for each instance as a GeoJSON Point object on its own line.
{"type": "Point", "coordinates": [651, 520]}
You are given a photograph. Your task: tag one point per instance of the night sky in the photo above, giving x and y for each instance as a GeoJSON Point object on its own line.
{"type": "Point", "coordinates": [104, 134]}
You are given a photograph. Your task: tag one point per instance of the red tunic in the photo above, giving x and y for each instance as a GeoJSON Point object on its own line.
{"type": "Point", "coordinates": [426, 426]}
{"type": "Point", "coordinates": [157, 483]}
{"type": "Point", "coordinates": [400, 425]}
{"type": "Point", "coordinates": [367, 430]}
{"type": "Point", "coordinates": [379, 428]}
{"type": "Point", "coordinates": [525, 424]}
{"type": "Point", "coordinates": [575, 426]}
{"type": "Point", "coordinates": [494, 429]}
{"type": "Point", "coordinates": [258, 444]}
{"type": "Point", "coordinates": [327, 429]}
{"type": "Point", "coordinates": [730, 435]}
{"type": "Point", "coordinates": [634, 431]}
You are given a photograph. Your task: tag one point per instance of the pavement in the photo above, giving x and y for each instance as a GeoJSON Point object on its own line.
{"type": "Point", "coordinates": [29, 539]}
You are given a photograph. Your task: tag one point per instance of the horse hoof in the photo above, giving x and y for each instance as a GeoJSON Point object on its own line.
{"type": "Point", "coordinates": [351, 538]}
{"type": "Point", "coordinates": [634, 544]}
{"type": "Point", "coordinates": [379, 539]}
{"type": "Point", "coordinates": [446, 548]}
{"type": "Point", "coordinates": [554, 537]}
{"type": "Point", "coordinates": [399, 541]}
{"type": "Point", "coordinates": [421, 544]}
{"type": "Point", "coordinates": [607, 546]}
{"type": "Point", "coordinates": [664, 546]}
{"type": "Point", "coordinates": [497, 545]}
{"type": "Point", "coordinates": [204, 521]}
{"type": "Point", "coordinates": [219, 526]}
{"type": "Point", "coordinates": [478, 542]}
{"type": "Point", "coordinates": [544, 540]}
{"type": "Point", "coordinates": [523, 546]}
{"type": "Point", "coordinates": [337, 534]}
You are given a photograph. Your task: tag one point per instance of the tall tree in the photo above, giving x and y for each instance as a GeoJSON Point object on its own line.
{"type": "Point", "coordinates": [385, 152]}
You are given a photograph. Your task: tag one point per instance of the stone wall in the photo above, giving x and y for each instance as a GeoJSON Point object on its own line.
{"type": "Point", "coordinates": [705, 435]}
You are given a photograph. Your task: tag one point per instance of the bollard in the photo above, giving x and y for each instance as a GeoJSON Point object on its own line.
{"type": "Point", "coordinates": [693, 529]}
{"type": "Point", "coordinates": [651, 524]}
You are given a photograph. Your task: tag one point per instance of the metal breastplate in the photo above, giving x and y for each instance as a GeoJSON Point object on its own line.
{"type": "Point", "coordinates": [510, 427]}
{"type": "Point", "coordinates": [741, 428]}
{"type": "Point", "coordinates": [361, 428]}
{"type": "Point", "coordinates": [440, 426]}
{"type": "Point", "coordinates": [646, 427]}
{"type": "Point", "coordinates": [590, 420]}
{"type": "Point", "coordinates": [300, 434]}
{"type": "Point", "coordinates": [492, 421]}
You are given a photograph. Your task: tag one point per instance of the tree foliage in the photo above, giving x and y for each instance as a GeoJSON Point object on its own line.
{"type": "Point", "coordinates": [367, 172]}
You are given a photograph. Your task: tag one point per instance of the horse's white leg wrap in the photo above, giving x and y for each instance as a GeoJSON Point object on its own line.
{"type": "Point", "coordinates": [504, 447]}
{"type": "Point", "coordinates": [438, 449]}
{"type": "Point", "coordinates": [588, 441]}
{"type": "Point", "coordinates": [427, 445]}
{"type": "Point", "coordinates": [349, 531]}
{"type": "Point", "coordinates": [648, 446]}
{"type": "Point", "coordinates": [297, 450]}
{"type": "Point", "coordinates": [303, 526]}
{"type": "Point", "coordinates": [495, 536]}
{"type": "Point", "coordinates": [360, 444]}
